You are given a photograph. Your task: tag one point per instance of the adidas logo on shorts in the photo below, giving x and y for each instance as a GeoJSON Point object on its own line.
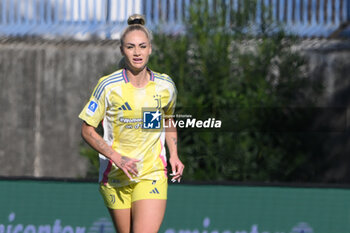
{"type": "Point", "coordinates": [154, 191]}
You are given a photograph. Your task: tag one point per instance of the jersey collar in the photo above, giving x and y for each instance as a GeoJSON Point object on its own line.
{"type": "Point", "coordinates": [126, 80]}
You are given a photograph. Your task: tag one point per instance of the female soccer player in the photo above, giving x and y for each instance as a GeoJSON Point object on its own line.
{"type": "Point", "coordinates": [132, 103]}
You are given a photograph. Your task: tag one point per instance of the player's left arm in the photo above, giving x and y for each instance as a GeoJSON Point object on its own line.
{"type": "Point", "coordinates": [171, 140]}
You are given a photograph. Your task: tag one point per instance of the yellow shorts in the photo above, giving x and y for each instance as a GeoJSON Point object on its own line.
{"type": "Point", "coordinates": [122, 197]}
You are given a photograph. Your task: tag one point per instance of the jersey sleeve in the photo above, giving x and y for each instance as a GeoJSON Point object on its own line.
{"type": "Point", "coordinates": [169, 109]}
{"type": "Point", "coordinates": [94, 111]}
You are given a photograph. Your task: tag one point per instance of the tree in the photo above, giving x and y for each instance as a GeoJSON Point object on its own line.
{"type": "Point", "coordinates": [248, 72]}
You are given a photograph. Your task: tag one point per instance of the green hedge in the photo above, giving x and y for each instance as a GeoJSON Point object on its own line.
{"type": "Point", "coordinates": [239, 71]}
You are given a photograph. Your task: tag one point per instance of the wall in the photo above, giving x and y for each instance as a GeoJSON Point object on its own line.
{"type": "Point", "coordinates": [44, 85]}
{"type": "Point", "coordinates": [329, 64]}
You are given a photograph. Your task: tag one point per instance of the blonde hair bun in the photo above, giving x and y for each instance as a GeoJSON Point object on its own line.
{"type": "Point", "coordinates": [136, 19]}
{"type": "Point", "coordinates": [136, 22]}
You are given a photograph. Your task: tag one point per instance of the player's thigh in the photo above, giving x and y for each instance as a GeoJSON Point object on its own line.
{"type": "Point", "coordinates": [147, 215]}
{"type": "Point", "coordinates": [121, 219]}
{"type": "Point", "coordinates": [148, 205]}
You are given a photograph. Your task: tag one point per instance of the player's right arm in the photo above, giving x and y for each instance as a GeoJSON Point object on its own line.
{"type": "Point", "coordinates": [89, 134]}
{"type": "Point", "coordinates": [92, 114]}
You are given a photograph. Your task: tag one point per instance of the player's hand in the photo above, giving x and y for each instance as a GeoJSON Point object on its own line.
{"type": "Point", "coordinates": [177, 168]}
{"type": "Point", "coordinates": [128, 165]}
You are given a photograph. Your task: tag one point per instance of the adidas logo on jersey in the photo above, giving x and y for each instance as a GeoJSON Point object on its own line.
{"type": "Point", "coordinates": [125, 106]}
{"type": "Point", "coordinates": [155, 191]}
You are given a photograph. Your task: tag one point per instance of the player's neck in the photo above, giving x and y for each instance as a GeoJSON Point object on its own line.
{"type": "Point", "coordinates": [138, 79]}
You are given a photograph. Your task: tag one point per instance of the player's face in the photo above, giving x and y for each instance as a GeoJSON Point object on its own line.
{"type": "Point", "coordinates": [136, 50]}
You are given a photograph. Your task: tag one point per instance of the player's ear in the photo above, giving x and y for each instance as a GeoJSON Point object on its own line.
{"type": "Point", "coordinates": [122, 50]}
{"type": "Point", "coordinates": [150, 49]}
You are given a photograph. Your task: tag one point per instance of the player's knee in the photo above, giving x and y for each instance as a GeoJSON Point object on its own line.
{"type": "Point", "coordinates": [145, 229]}
{"type": "Point", "coordinates": [146, 226]}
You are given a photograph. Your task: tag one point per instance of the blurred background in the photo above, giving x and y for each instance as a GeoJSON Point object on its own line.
{"type": "Point", "coordinates": [276, 72]}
